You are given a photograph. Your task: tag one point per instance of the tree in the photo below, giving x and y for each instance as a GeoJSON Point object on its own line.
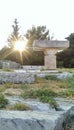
{"type": "Point", "coordinates": [39, 32]}
{"type": "Point", "coordinates": [36, 33]}
{"type": "Point", "coordinates": [12, 40]}
{"type": "Point", "coordinates": [66, 57]}
{"type": "Point", "coordinates": [15, 36]}
{"type": "Point", "coordinates": [30, 57]}
{"type": "Point", "coordinates": [7, 53]}
{"type": "Point", "coordinates": [71, 40]}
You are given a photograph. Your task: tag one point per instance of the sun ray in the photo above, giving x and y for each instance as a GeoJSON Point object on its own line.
{"type": "Point", "coordinates": [21, 53]}
{"type": "Point", "coordinates": [20, 45]}
{"type": "Point", "coordinates": [27, 51]}
{"type": "Point", "coordinates": [7, 54]}
{"type": "Point", "coordinates": [21, 58]}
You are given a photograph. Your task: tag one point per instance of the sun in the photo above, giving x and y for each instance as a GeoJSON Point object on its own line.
{"type": "Point", "coordinates": [20, 46]}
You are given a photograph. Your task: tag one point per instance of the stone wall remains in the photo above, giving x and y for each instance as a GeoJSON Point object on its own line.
{"type": "Point", "coordinates": [14, 77]}
{"type": "Point", "coordinates": [9, 64]}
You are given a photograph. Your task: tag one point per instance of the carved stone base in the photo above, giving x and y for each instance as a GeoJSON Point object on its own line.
{"type": "Point", "coordinates": [50, 62]}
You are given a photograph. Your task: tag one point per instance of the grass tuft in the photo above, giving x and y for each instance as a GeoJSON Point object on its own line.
{"type": "Point", "coordinates": [20, 107]}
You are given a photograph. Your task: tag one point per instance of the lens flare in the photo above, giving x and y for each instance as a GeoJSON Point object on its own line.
{"type": "Point", "coordinates": [20, 50]}
{"type": "Point", "coordinates": [20, 46]}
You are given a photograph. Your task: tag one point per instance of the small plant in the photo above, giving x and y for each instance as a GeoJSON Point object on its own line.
{"type": "Point", "coordinates": [7, 85]}
{"type": "Point", "coordinates": [44, 95]}
{"type": "Point", "coordinates": [51, 77]}
{"type": "Point", "coordinates": [50, 100]}
{"type": "Point", "coordinates": [38, 93]}
{"type": "Point", "coordinates": [62, 86]}
{"type": "Point", "coordinates": [20, 106]}
{"type": "Point", "coordinates": [3, 101]}
{"type": "Point", "coordinates": [45, 92]}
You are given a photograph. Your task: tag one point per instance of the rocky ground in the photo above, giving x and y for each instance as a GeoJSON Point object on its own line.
{"type": "Point", "coordinates": [41, 116]}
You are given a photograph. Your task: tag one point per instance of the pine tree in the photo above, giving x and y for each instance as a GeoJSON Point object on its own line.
{"type": "Point", "coordinates": [15, 35]}
{"type": "Point", "coordinates": [39, 33]}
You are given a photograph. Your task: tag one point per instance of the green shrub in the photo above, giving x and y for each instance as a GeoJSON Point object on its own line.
{"type": "Point", "coordinates": [45, 95]}
{"type": "Point", "coordinates": [62, 86]}
{"type": "Point", "coordinates": [51, 77]}
{"type": "Point", "coordinates": [50, 100]}
{"type": "Point", "coordinates": [45, 92]}
{"type": "Point", "coordinates": [3, 101]}
{"type": "Point", "coordinates": [38, 93]}
{"type": "Point", "coordinates": [60, 64]}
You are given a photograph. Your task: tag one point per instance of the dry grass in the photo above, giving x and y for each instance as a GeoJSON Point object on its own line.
{"type": "Point", "coordinates": [19, 106]}
{"type": "Point", "coordinates": [13, 92]}
{"type": "Point", "coordinates": [44, 89]}
{"type": "Point", "coordinates": [57, 86]}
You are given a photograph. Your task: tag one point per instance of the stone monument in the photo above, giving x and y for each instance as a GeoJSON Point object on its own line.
{"type": "Point", "coordinates": [50, 48]}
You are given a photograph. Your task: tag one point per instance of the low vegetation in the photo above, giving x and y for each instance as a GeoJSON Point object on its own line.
{"type": "Point", "coordinates": [20, 107]}
{"type": "Point", "coordinates": [70, 70]}
{"type": "Point", "coordinates": [51, 77]}
{"type": "Point", "coordinates": [3, 101]}
{"type": "Point", "coordinates": [44, 95]}
{"type": "Point", "coordinates": [44, 89]}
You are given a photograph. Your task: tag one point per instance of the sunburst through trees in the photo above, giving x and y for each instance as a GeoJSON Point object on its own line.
{"type": "Point", "coordinates": [16, 42]}
{"type": "Point", "coordinates": [21, 51]}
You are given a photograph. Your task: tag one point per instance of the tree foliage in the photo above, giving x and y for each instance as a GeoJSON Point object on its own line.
{"type": "Point", "coordinates": [39, 32]}
{"type": "Point", "coordinates": [30, 57]}
{"type": "Point", "coordinates": [7, 53]}
{"type": "Point", "coordinates": [66, 57]}
{"type": "Point", "coordinates": [15, 35]}
{"type": "Point", "coordinates": [36, 33]}
{"type": "Point", "coordinates": [71, 40]}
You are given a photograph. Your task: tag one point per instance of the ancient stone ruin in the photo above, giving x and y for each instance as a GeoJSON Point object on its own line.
{"type": "Point", "coordinates": [50, 48]}
{"type": "Point", "coordinates": [9, 64]}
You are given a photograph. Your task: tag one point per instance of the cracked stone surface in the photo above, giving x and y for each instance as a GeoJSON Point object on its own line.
{"type": "Point", "coordinates": [30, 120]}
{"type": "Point", "coordinates": [36, 119]}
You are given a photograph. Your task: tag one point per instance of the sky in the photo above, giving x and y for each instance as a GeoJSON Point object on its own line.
{"type": "Point", "coordinates": [56, 15]}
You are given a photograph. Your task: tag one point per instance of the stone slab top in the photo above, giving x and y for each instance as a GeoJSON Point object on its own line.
{"type": "Point", "coordinates": [46, 44]}
{"type": "Point", "coordinates": [33, 115]}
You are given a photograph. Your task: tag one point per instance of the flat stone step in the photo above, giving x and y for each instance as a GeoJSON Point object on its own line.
{"type": "Point", "coordinates": [30, 120]}
{"type": "Point", "coordinates": [36, 120]}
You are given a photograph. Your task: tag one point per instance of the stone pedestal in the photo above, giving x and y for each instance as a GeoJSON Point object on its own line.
{"type": "Point", "coordinates": [50, 62]}
{"type": "Point", "coordinates": [50, 59]}
{"type": "Point", "coordinates": [50, 48]}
